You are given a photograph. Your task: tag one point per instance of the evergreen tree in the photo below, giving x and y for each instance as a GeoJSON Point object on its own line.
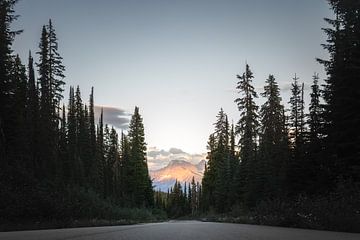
{"type": "Point", "coordinates": [219, 171]}
{"type": "Point", "coordinates": [82, 136]}
{"type": "Point", "coordinates": [190, 199]}
{"type": "Point", "coordinates": [71, 165]}
{"type": "Point", "coordinates": [17, 112]}
{"type": "Point", "coordinates": [111, 157]}
{"type": "Point", "coordinates": [247, 128]}
{"type": "Point", "coordinates": [315, 159]}
{"type": "Point", "coordinates": [106, 170]}
{"type": "Point", "coordinates": [125, 163]}
{"type": "Point", "coordinates": [233, 163]}
{"type": "Point", "coordinates": [47, 137]}
{"type": "Point", "coordinates": [63, 149]}
{"type": "Point", "coordinates": [119, 184]}
{"type": "Point", "coordinates": [297, 165]}
{"type": "Point", "coordinates": [87, 148]}
{"type": "Point", "coordinates": [199, 195]}
{"type": "Point", "coordinates": [100, 151]}
{"type": "Point", "coordinates": [57, 160]}
{"type": "Point", "coordinates": [55, 67]}
{"type": "Point", "coordinates": [32, 113]}
{"type": "Point", "coordinates": [51, 82]}
{"type": "Point", "coordinates": [92, 144]}
{"type": "Point", "coordinates": [6, 85]}
{"type": "Point", "coordinates": [140, 182]}
{"type": "Point", "coordinates": [273, 143]}
{"type": "Point", "coordinates": [208, 181]}
{"type": "Point", "coordinates": [295, 113]}
{"type": "Point", "coordinates": [220, 161]}
{"type": "Point", "coordinates": [315, 113]}
{"type": "Point", "coordinates": [176, 206]}
{"type": "Point", "coordinates": [194, 199]}
{"type": "Point", "coordinates": [341, 93]}
{"type": "Point", "coordinates": [80, 123]}
{"type": "Point", "coordinates": [18, 75]}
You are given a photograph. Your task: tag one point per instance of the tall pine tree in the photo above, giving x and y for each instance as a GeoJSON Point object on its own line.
{"type": "Point", "coordinates": [297, 166]}
{"type": "Point", "coordinates": [7, 87]}
{"type": "Point", "coordinates": [247, 129]}
{"type": "Point", "coordinates": [273, 141]}
{"type": "Point", "coordinates": [51, 84]}
{"type": "Point", "coordinates": [32, 115]}
{"type": "Point", "coordinates": [341, 92]}
{"type": "Point", "coordinates": [140, 182]}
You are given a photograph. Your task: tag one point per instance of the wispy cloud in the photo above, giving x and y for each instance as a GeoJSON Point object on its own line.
{"type": "Point", "coordinates": [160, 158]}
{"type": "Point", "coordinates": [114, 116]}
{"type": "Point", "coordinates": [176, 151]}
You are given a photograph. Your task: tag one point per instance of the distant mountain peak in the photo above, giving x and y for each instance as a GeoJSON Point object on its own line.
{"type": "Point", "coordinates": [179, 170]}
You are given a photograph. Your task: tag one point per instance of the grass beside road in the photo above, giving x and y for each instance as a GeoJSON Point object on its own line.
{"type": "Point", "coordinates": [335, 212]}
{"type": "Point", "coordinates": [44, 207]}
{"type": "Point", "coordinates": [41, 225]}
{"type": "Point", "coordinates": [127, 216]}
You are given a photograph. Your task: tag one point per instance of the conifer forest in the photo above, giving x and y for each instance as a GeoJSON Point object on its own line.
{"type": "Point", "coordinates": [284, 162]}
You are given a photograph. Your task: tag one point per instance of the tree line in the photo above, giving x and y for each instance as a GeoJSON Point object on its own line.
{"type": "Point", "coordinates": [180, 200]}
{"type": "Point", "coordinates": [286, 153]}
{"type": "Point", "coordinates": [48, 147]}
{"type": "Point", "coordinates": [58, 161]}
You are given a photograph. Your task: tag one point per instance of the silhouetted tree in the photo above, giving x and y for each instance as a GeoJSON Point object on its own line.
{"type": "Point", "coordinates": [315, 112]}
{"type": "Point", "coordinates": [51, 87]}
{"type": "Point", "coordinates": [341, 94]}
{"type": "Point", "coordinates": [140, 182]}
{"type": "Point", "coordinates": [126, 169]}
{"type": "Point", "coordinates": [317, 175]}
{"type": "Point", "coordinates": [100, 151]}
{"type": "Point", "coordinates": [32, 114]}
{"type": "Point", "coordinates": [247, 129]}
{"type": "Point", "coordinates": [71, 166]}
{"type": "Point", "coordinates": [273, 142]}
{"type": "Point", "coordinates": [208, 181]}
{"type": "Point", "coordinates": [17, 112]}
{"type": "Point", "coordinates": [221, 161]}
{"type": "Point", "coordinates": [63, 150]}
{"type": "Point", "coordinates": [7, 86]}
{"type": "Point", "coordinates": [92, 132]}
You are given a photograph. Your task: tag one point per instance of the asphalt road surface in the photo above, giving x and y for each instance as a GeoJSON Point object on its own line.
{"type": "Point", "coordinates": [189, 230]}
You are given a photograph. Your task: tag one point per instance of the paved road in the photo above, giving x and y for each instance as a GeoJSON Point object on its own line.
{"type": "Point", "coordinates": [176, 230]}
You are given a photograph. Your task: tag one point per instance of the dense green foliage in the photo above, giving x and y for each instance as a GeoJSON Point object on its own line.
{"type": "Point", "coordinates": [180, 200]}
{"type": "Point", "coordinates": [341, 91]}
{"type": "Point", "coordinates": [275, 166]}
{"type": "Point", "coordinates": [292, 167]}
{"type": "Point", "coordinates": [220, 168]}
{"type": "Point", "coordinates": [56, 163]}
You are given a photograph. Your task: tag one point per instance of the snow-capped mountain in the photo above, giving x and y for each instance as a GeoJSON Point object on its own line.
{"type": "Point", "coordinates": [181, 170]}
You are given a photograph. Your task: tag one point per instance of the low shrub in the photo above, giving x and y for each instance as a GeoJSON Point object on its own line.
{"type": "Point", "coordinates": [44, 204]}
{"type": "Point", "coordinates": [337, 211]}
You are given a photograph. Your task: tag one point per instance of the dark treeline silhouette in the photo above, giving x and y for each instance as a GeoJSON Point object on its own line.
{"type": "Point", "coordinates": [180, 200]}
{"type": "Point", "coordinates": [56, 163]}
{"type": "Point", "coordinates": [290, 167]}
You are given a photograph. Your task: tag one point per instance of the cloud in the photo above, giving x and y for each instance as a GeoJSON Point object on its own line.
{"type": "Point", "coordinates": [160, 158]}
{"type": "Point", "coordinates": [114, 116]}
{"type": "Point", "coordinates": [155, 153]}
{"type": "Point", "coordinates": [176, 151]}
